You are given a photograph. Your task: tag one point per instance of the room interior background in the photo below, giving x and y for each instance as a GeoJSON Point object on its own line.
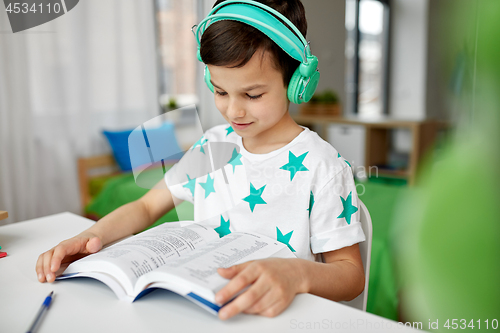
{"type": "Point", "coordinates": [115, 64]}
{"type": "Point", "coordinates": [99, 67]}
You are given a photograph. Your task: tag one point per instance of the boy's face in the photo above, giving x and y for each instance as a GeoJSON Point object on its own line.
{"type": "Point", "coordinates": [251, 98]}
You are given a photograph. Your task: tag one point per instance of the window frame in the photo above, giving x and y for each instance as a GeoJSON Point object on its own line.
{"type": "Point", "coordinates": [354, 95]}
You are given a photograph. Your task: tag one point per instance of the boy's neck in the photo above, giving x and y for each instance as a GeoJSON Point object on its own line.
{"type": "Point", "coordinates": [276, 137]}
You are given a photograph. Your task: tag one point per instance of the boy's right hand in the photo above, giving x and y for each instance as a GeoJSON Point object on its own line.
{"type": "Point", "coordinates": [65, 252]}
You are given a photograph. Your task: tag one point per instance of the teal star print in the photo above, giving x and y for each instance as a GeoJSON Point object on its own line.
{"type": "Point", "coordinates": [200, 143]}
{"type": "Point", "coordinates": [349, 209]}
{"type": "Point", "coordinates": [235, 159]}
{"type": "Point", "coordinates": [338, 155]}
{"type": "Point", "coordinates": [295, 164]}
{"type": "Point", "coordinates": [208, 186]}
{"type": "Point", "coordinates": [311, 203]}
{"type": "Point", "coordinates": [229, 130]}
{"type": "Point", "coordinates": [344, 160]}
{"type": "Point", "coordinates": [190, 184]}
{"type": "Point", "coordinates": [255, 197]}
{"type": "Point", "coordinates": [285, 239]}
{"type": "Point", "coordinates": [223, 230]}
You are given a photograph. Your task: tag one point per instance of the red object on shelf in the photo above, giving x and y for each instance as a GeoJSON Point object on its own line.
{"type": "Point", "coordinates": [3, 254]}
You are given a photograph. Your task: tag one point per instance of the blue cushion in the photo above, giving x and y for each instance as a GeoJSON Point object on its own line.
{"type": "Point", "coordinates": [118, 140]}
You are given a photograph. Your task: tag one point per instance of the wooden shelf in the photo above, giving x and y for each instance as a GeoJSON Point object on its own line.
{"type": "Point", "coordinates": [377, 140]}
{"type": "Point", "coordinates": [394, 173]}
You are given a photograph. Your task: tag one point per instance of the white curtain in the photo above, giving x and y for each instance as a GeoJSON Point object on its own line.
{"type": "Point", "coordinates": [61, 83]}
{"type": "Point", "coordinates": [209, 115]}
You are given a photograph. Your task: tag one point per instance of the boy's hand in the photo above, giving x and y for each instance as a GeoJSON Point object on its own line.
{"type": "Point", "coordinates": [65, 252]}
{"type": "Point", "coordinates": [274, 282]}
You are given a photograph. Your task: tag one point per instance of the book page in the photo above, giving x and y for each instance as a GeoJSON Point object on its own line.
{"type": "Point", "coordinates": [133, 257]}
{"type": "Point", "coordinates": [197, 272]}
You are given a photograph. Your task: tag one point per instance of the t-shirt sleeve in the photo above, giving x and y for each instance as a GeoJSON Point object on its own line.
{"type": "Point", "coordinates": [335, 216]}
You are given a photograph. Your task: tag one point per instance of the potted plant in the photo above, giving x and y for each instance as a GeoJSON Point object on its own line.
{"type": "Point", "coordinates": [325, 103]}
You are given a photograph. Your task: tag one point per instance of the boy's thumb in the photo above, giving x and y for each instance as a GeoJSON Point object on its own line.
{"type": "Point", "coordinates": [93, 245]}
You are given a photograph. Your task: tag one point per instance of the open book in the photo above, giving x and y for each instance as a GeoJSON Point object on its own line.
{"type": "Point", "coordinates": [183, 259]}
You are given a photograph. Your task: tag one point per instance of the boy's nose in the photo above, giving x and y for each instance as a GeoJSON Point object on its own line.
{"type": "Point", "coordinates": [235, 110]}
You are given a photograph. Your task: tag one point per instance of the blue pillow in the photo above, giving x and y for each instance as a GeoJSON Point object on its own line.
{"type": "Point", "coordinates": [118, 140]}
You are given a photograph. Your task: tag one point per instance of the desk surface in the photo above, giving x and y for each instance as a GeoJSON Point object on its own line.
{"type": "Point", "coordinates": [86, 305]}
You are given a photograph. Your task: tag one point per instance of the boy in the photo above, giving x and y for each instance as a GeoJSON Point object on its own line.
{"type": "Point", "coordinates": [300, 191]}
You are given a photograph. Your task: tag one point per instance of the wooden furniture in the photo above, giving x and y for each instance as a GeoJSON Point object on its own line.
{"type": "Point", "coordinates": [86, 305]}
{"type": "Point", "coordinates": [94, 166]}
{"type": "Point", "coordinates": [314, 109]}
{"type": "Point", "coordinates": [377, 139]}
{"type": "Point", "coordinates": [3, 215]}
{"type": "Point", "coordinates": [97, 166]}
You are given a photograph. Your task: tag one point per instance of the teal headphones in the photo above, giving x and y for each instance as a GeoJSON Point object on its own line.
{"type": "Point", "coordinates": [264, 18]}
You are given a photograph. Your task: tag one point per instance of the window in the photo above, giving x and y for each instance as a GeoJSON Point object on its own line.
{"type": "Point", "coordinates": [367, 51]}
{"type": "Point", "coordinates": [176, 52]}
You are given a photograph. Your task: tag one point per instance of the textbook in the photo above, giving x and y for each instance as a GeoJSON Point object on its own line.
{"type": "Point", "coordinates": [176, 256]}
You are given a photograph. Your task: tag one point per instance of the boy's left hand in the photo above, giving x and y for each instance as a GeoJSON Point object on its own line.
{"type": "Point", "coordinates": [274, 284]}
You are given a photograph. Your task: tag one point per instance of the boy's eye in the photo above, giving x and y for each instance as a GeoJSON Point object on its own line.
{"type": "Point", "coordinates": [255, 97]}
{"type": "Point", "coordinates": [221, 93]}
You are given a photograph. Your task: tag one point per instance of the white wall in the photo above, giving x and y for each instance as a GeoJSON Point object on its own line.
{"type": "Point", "coordinates": [408, 58]}
{"type": "Point", "coordinates": [326, 31]}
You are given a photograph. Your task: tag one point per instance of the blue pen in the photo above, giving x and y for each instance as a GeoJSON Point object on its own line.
{"type": "Point", "coordinates": [40, 313]}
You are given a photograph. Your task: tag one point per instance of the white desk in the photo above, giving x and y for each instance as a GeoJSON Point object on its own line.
{"type": "Point", "coordinates": [85, 305]}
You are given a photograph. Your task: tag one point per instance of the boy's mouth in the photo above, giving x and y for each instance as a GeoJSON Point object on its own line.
{"type": "Point", "coordinates": [240, 125]}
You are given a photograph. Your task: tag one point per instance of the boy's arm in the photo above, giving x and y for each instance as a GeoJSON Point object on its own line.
{"type": "Point", "coordinates": [135, 216]}
{"type": "Point", "coordinates": [124, 221]}
{"type": "Point", "coordinates": [275, 282]}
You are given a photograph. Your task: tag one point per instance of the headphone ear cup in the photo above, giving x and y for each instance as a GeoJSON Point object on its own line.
{"type": "Point", "coordinates": [311, 87]}
{"type": "Point", "coordinates": [207, 79]}
{"type": "Point", "coordinates": [294, 87]}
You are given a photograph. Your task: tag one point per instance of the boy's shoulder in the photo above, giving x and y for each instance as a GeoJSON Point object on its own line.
{"type": "Point", "coordinates": [319, 155]}
{"type": "Point", "coordinates": [323, 157]}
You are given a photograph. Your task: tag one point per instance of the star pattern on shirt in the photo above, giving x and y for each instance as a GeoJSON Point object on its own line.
{"type": "Point", "coordinates": [235, 159]}
{"type": "Point", "coordinates": [223, 229]}
{"type": "Point", "coordinates": [294, 164]}
{"type": "Point", "coordinates": [311, 203]}
{"type": "Point", "coordinates": [255, 197]}
{"type": "Point", "coordinates": [285, 239]}
{"type": "Point", "coordinates": [349, 209]}
{"type": "Point", "coordinates": [200, 143]}
{"type": "Point", "coordinates": [190, 184]}
{"type": "Point", "coordinates": [208, 186]}
{"type": "Point", "coordinates": [229, 130]}
{"type": "Point", "coordinates": [349, 164]}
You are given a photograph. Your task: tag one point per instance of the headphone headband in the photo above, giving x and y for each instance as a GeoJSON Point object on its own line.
{"type": "Point", "coordinates": [264, 19]}
{"type": "Point", "coordinates": [280, 30]}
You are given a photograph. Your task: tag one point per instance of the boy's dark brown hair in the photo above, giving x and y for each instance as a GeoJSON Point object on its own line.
{"type": "Point", "coordinates": [232, 44]}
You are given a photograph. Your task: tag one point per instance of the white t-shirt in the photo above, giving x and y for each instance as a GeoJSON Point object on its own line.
{"type": "Point", "coordinates": [302, 194]}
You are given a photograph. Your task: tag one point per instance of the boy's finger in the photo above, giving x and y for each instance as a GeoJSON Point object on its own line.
{"type": "Point", "coordinates": [243, 302]}
{"type": "Point", "coordinates": [39, 269]}
{"type": "Point", "coordinates": [93, 245]}
{"type": "Point", "coordinates": [237, 283]}
{"type": "Point", "coordinates": [274, 309]}
{"type": "Point", "coordinates": [230, 272]}
{"type": "Point", "coordinates": [265, 302]}
{"type": "Point", "coordinates": [47, 256]}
